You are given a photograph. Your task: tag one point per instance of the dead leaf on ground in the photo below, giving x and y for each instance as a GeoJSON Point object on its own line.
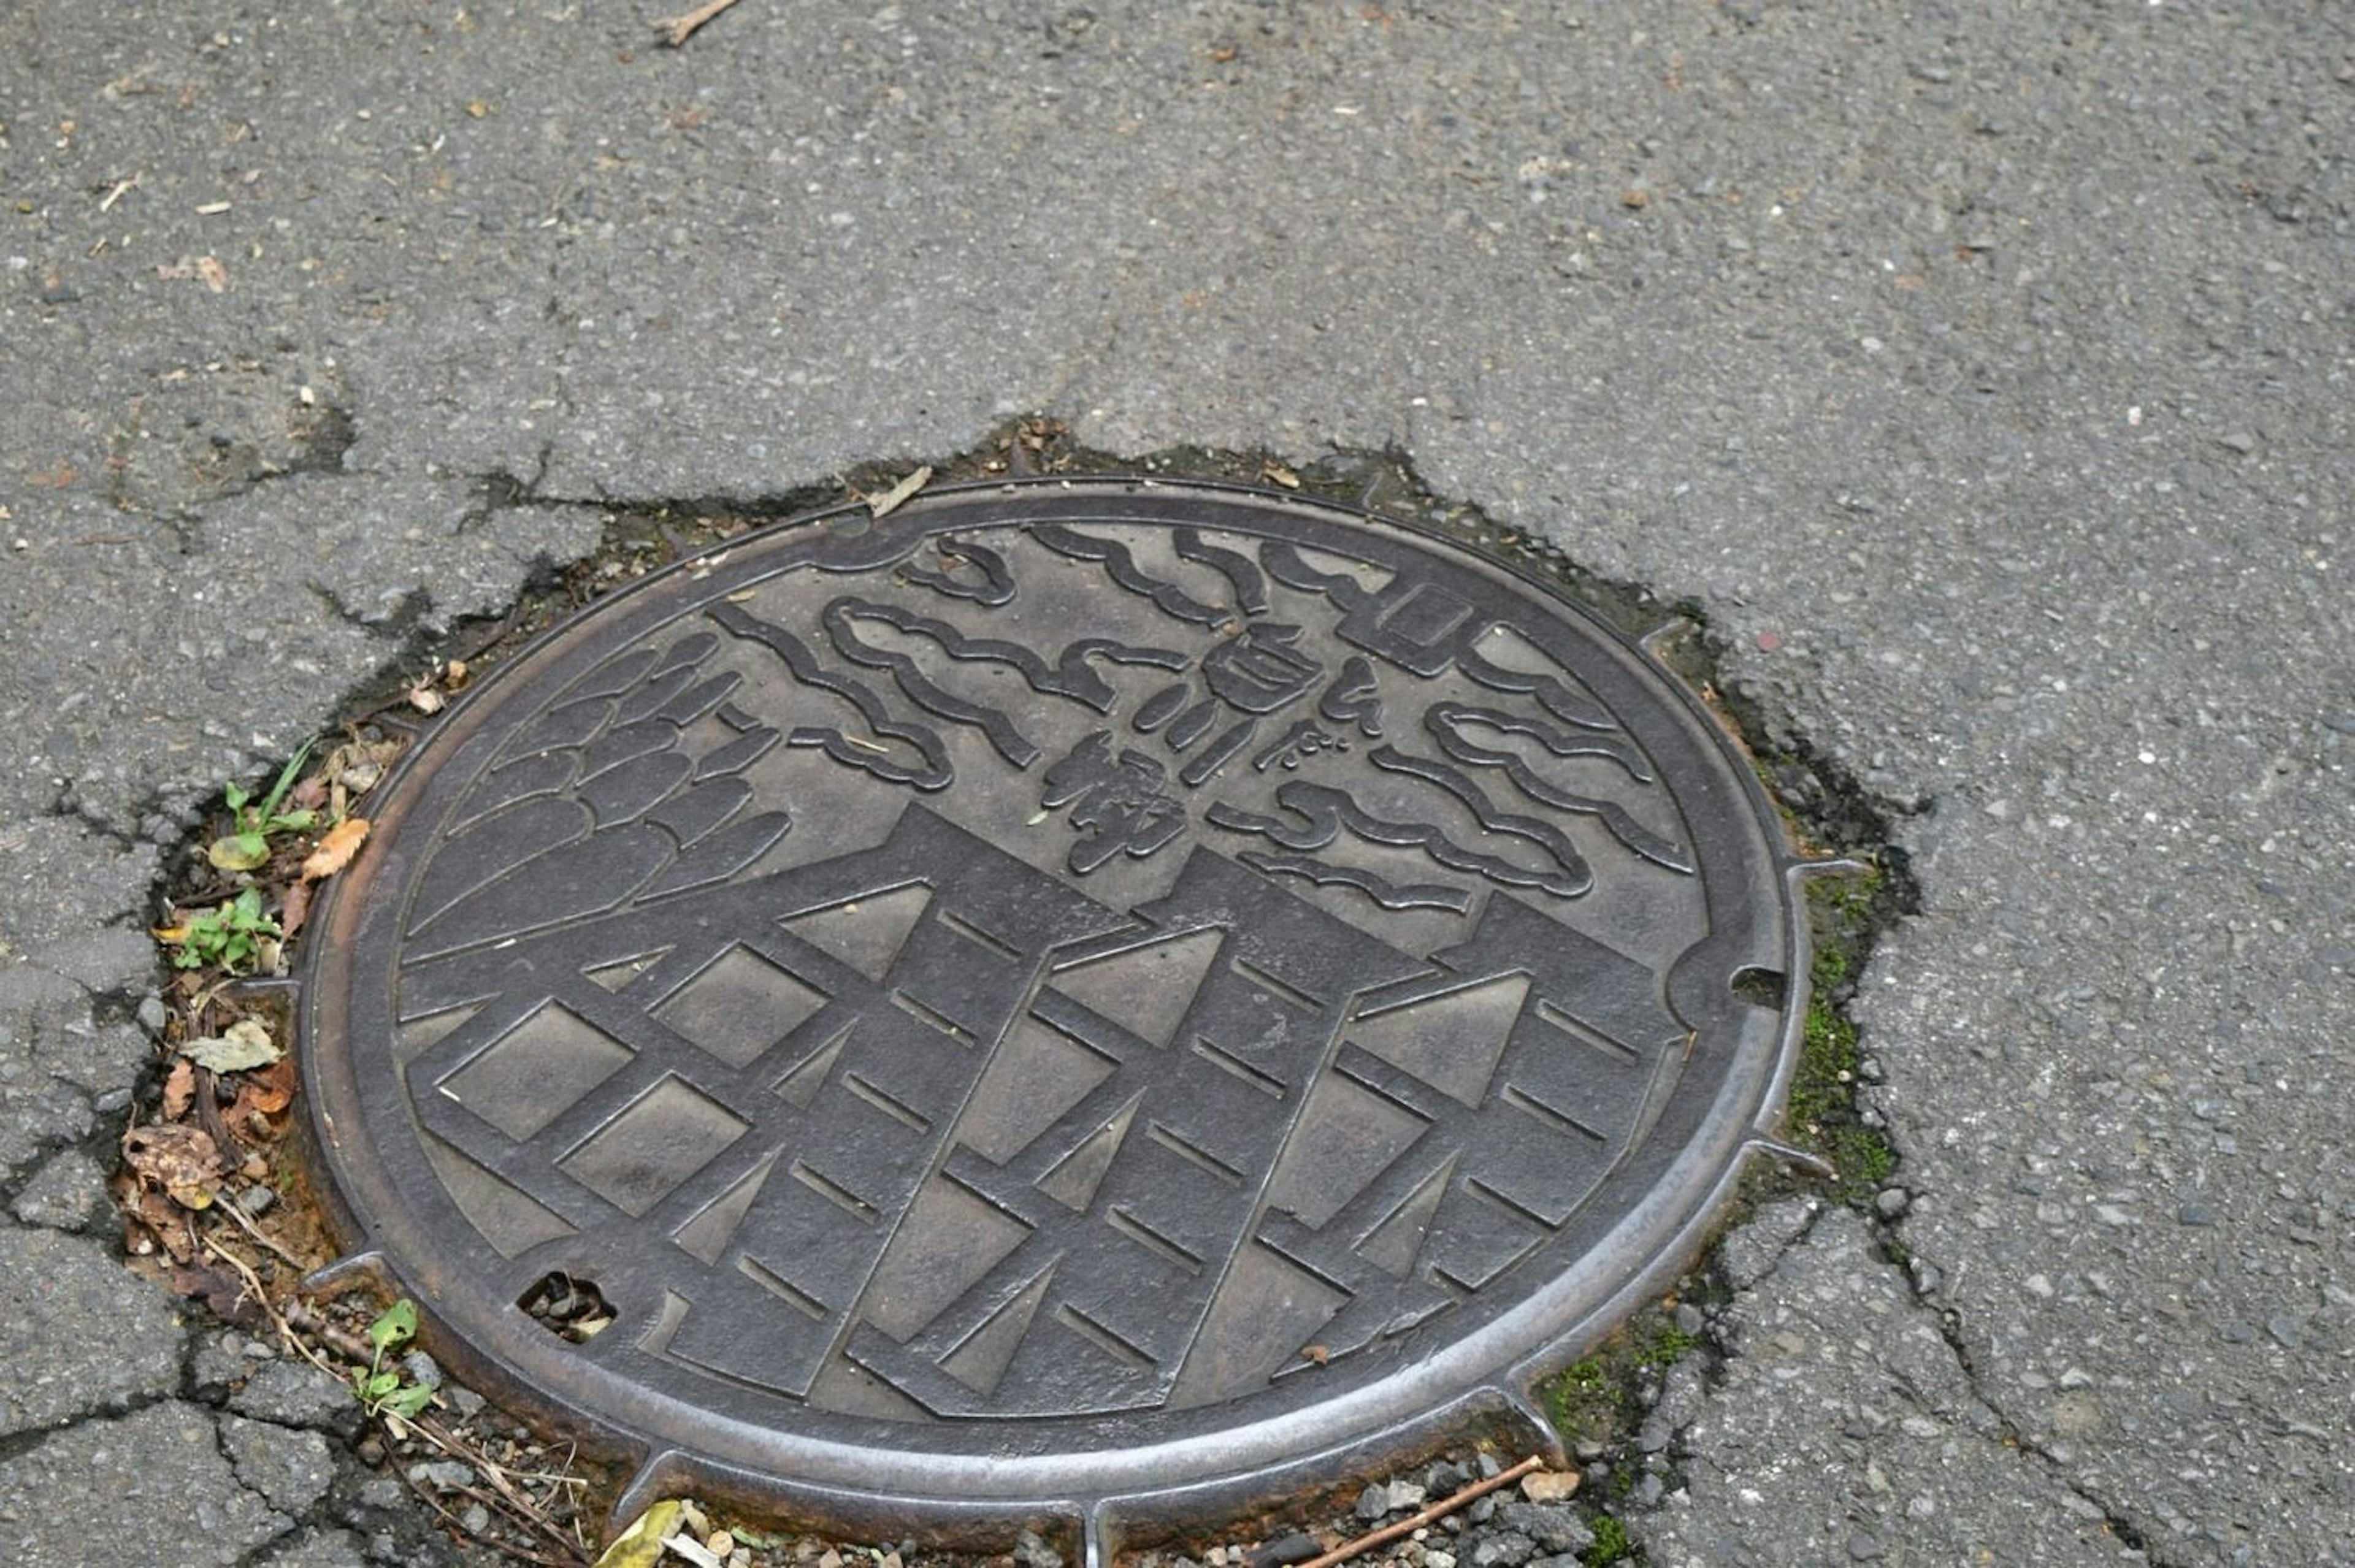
{"type": "Point", "coordinates": [181, 1159]}
{"type": "Point", "coordinates": [180, 1088]}
{"type": "Point", "coordinates": [152, 1221]}
{"type": "Point", "coordinates": [891, 500]}
{"type": "Point", "coordinates": [336, 849]}
{"type": "Point", "coordinates": [215, 275]}
{"type": "Point", "coordinates": [219, 1290]}
{"type": "Point", "coordinates": [358, 765]}
{"type": "Point", "coordinates": [641, 1545]}
{"type": "Point", "coordinates": [265, 1092]}
{"type": "Point", "coordinates": [247, 1043]}
{"type": "Point", "coordinates": [296, 909]}
{"type": "Point", "coordinates": [425, 699]}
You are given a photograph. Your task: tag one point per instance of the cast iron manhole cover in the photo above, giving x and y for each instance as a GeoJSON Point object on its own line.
{"type": "Point", "coordinates": [1106, 1000]}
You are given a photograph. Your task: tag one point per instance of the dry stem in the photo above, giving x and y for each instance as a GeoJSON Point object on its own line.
{"type": "Point", "coordinates": [677, 30]}
{"type": "Point", "coordinates": [1439, 1510]}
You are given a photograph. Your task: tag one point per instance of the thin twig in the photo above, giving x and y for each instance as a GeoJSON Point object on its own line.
{"type": "Point", "coordinates": [450, 1444]}
{"type": "Point", "coordinates": [520, 1554]}
{"type": "Point", "coordinates": [677, 30]}
{"type": "Point", "coordinates": [230, 1206]}
{"type": "Point", "coordinates": [1439, 1510]}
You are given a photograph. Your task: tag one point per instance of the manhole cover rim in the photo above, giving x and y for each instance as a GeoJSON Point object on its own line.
{"type": "Point", "coordinates": [1199, 1462]}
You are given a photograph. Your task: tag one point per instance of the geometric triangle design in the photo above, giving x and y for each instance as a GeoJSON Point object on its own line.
{"type": "Point", "coordinates": [983, 1358]}
{"type": "Point", "coordinates": [1145, 989]}
{"type": "Point", "coordinates": [1451, 1042]}
{"type": "Point", "coordinates": [801, 1085]}
{"type": "Point", "coordinates": [1397, 1242]}
{"type": "Point", "coordinates": [706, 1236]}
{"type": "Point", "coordinates": [868, 932]}
{"type": "Point", "coordinates": [1074, 1180]}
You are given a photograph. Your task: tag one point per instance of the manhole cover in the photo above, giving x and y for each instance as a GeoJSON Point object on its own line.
{"type": "Point", "coordinates": [1106, 1000]}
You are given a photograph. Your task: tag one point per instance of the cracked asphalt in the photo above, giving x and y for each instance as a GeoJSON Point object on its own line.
{"type": "Point", "coordinates": [1981, 372]}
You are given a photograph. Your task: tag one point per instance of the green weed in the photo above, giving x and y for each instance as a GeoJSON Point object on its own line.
{"type": "Point", "coordinates": [246, 846]}
{"type": "Point", "coordinates": [382, 1393]}
{"type": "Point", "coordinates": [227, 937]}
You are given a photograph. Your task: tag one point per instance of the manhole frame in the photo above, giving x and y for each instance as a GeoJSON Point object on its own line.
{"type": "Point", "coordinates": [1497, 1398]}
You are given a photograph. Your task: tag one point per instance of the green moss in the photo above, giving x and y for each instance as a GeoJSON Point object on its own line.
{"type": "Point", "coordinates": [1611, 1543]}
{"type": "Point", "coordinates": [1586, 1400]}
{"type": "Point", "coordinates": [1822, 1114]}
{"type": "Point", "coordinates": [1666, 1345]}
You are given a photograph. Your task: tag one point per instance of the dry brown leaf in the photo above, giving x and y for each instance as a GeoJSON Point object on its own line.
{"type": "Point", "coordinates": [180, 1088]}
{"type": "Point", "coordinates": [215, 275]}
{"type": "Point", "coordinates": [181, 1159]}
{"type": "Point", "coordinates": [425, 699]}
{"type": "Point", "coordinates": [152, 1221]}
{"type": "Point", "coordinates": [357, 766]}
{"type": "Point", "coordinates": [336, 848]}
{"type": "Point", "coordinates": [891, 500]}
{"type": "Point", "coordinates": [295, 910]}
{"type": "Point", "coordinates": [220, 1290]}
{"type": "Point", "coordinates": [246, 1043]}
{"type": "Point", "coordinates": [266, 1091]}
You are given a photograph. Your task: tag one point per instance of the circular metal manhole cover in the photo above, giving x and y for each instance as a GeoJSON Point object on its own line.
{"type": "Point", "coordinates": [1099, 999]}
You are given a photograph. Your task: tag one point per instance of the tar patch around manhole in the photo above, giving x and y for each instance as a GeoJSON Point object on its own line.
{"type": "Point", "coordinates": [1111, 1000]}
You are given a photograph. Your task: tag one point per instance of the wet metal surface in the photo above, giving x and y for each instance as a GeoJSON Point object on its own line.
{"type": "Point", "coordinates": [1087, 1000]}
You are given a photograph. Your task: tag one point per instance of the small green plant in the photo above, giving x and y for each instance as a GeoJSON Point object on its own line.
{"type": "Point", "coordinates": [1584, 1399]}
{"type": "Point", "coordinates": [246, 846]}
{"type": "Point", "coordinates": [227, 937]}
{"type": "Point", "coordinates": [1611, 1543]}
{"type": "Point", "coordinates": [382, 1393]}
{"type": "Point", "coordinates": [1666, 1345]}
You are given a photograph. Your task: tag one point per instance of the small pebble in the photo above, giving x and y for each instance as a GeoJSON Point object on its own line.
{"type": "Point", "coordinates": [1286, 1549]}
{"type": "Point", "coordinates": [1863, 1547]}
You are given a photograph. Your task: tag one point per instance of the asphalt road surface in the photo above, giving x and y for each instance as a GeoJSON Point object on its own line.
{"type": "Point", "coordinates": [1981, 370]}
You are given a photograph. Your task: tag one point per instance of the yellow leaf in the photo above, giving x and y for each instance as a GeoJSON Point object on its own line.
{"type": "Point", "coordinates": [641, 1545]}
{"type": "Point", "coordinates": [232, 854]}
{"type": "Point", "coordinates": [336, 849]}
